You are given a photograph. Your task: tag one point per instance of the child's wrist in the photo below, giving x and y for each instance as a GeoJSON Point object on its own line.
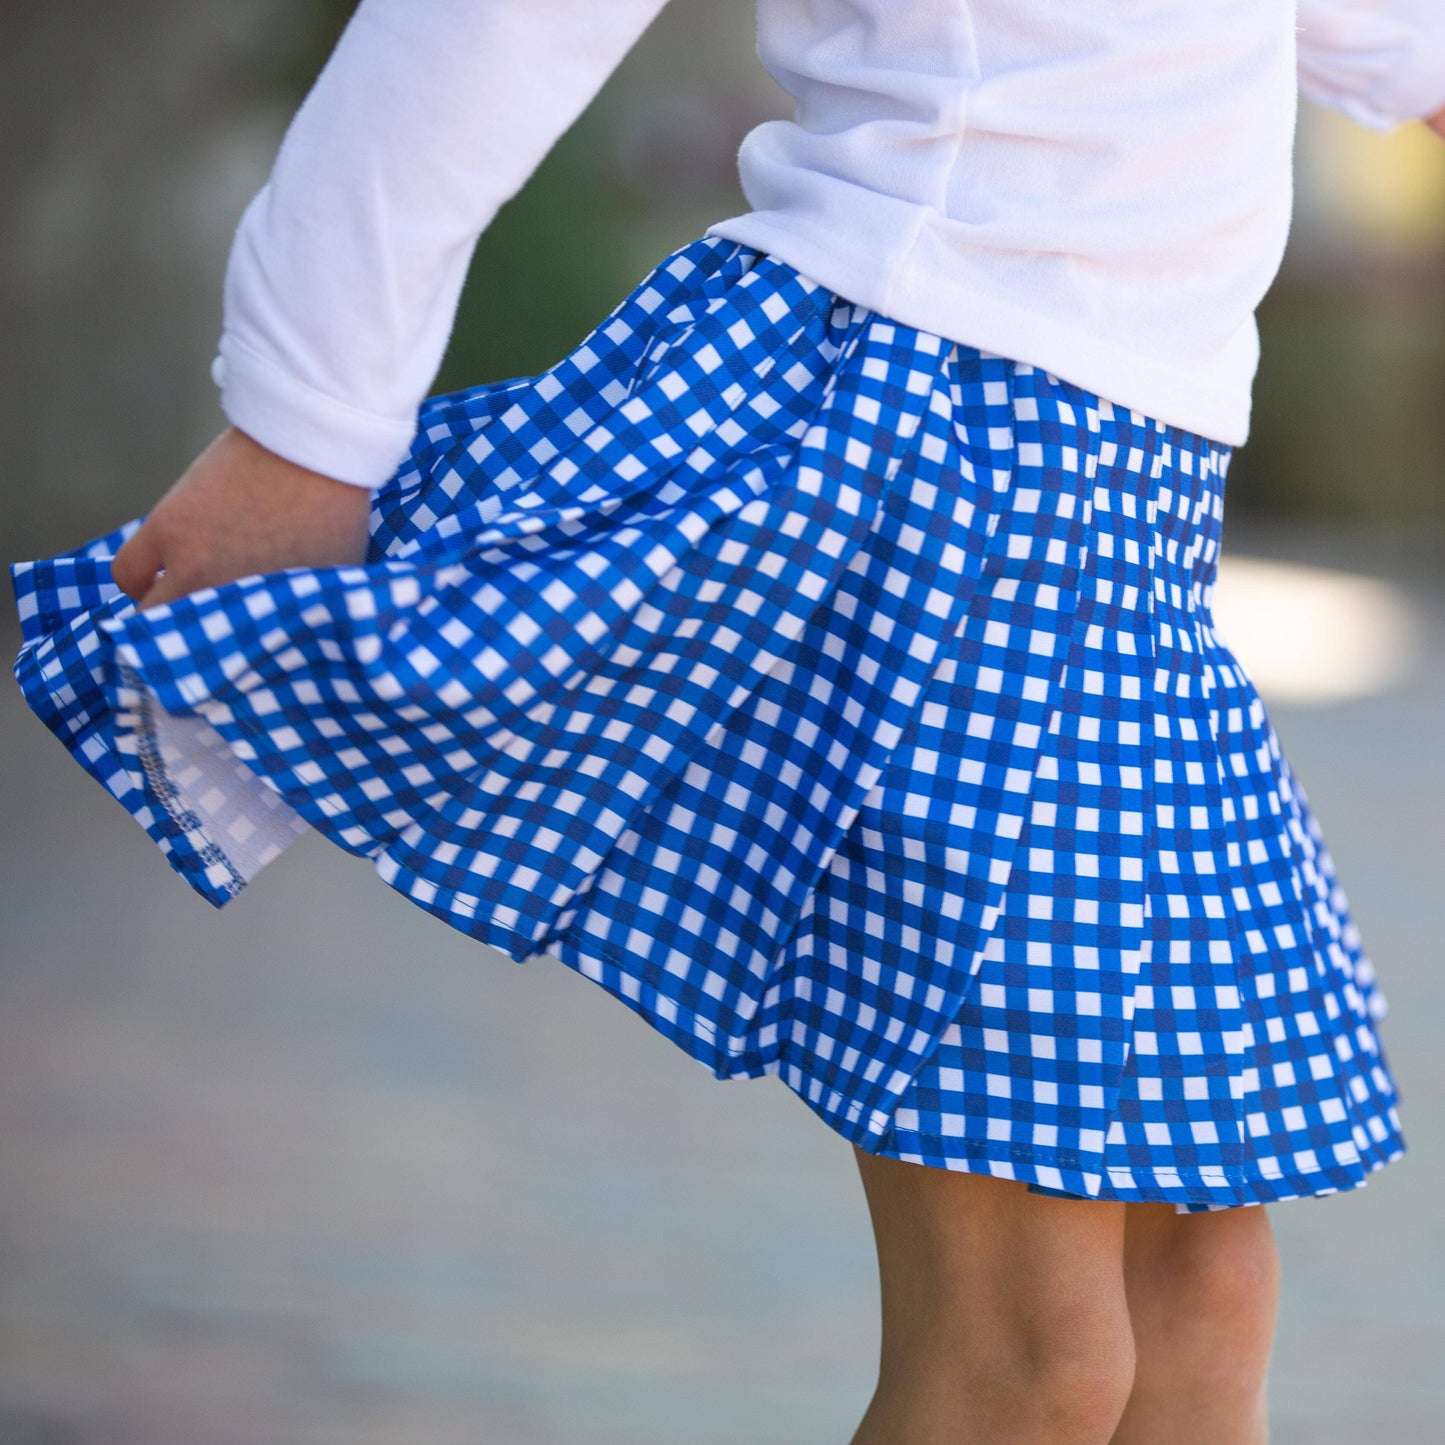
{"type": "Point", "coordinates": [259, 458]}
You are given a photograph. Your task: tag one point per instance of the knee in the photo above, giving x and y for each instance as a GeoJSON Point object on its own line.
{"type": "Point", "coordinates": [1033, 1358]}
{"type": "Point", "coordinates": [1031, 1373]}
{"type": "Point", "coordinates": [1069, 1375]}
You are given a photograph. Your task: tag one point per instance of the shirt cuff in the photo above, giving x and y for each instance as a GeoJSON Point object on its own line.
{"type": "Point", "coordinates": [1382, 75]}
{"type": "Point", "coordinates": [305, 426]}
{"type": "Point", "coordinates": [1422, 94]}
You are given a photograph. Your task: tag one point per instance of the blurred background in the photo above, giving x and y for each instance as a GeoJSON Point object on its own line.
{"type": "Point", "coordinates": [315, 1168]}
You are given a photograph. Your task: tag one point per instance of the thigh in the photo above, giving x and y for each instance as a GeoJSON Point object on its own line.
{"type": "Point", "coordinates": [971, 1253]}
{"type": "Point", "coordinates": [1207, 1280]}
{"type": "Point", "coordinates": [1203, 1292]}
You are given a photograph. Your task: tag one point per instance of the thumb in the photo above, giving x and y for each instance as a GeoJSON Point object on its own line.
{"type": "Point", "coordinates": [134, 566]}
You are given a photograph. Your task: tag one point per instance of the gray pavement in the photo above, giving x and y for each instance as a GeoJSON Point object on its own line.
{"type": "Point", "coordinates": [314, 1168]}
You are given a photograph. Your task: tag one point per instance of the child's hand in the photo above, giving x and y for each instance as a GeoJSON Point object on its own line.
{"type": "Point", "coordinates": [1436, 122]}
{"type": "Point", "coordinates": [240, 509]}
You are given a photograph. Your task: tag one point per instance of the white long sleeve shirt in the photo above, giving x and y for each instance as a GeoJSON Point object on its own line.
{"type": "Point", "coordinates": [1102, 190]}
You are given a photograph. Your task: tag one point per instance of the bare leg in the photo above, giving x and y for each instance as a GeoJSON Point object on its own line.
{"type": "Point", "coordinates": [1203, 1293]}
{"type": "Point", "coordinates": [1005, 1319]}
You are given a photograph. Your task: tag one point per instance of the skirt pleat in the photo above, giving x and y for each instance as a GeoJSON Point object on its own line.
{"type": "Point", "coordinates": [844, 700]}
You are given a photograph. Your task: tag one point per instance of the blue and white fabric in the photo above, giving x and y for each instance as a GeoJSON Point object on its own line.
{"type": "Point", "coordinates": [844, 700]}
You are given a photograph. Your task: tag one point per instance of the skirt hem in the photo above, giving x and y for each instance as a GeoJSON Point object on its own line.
{"type": "Point", "coordinates": [1053, 1172]}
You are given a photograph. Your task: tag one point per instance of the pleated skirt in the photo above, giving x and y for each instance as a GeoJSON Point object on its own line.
{"type": "Point", "coordinates": [844, 700]}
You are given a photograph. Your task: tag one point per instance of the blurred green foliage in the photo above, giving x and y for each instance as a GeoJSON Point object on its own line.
{"type": "Point", "coordinates": [557, 257]}
{"type": "Point", "coordinates": [1349, 417]}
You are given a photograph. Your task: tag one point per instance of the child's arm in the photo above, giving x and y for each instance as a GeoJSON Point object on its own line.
{"type": "Point", "coordinates": [347, 266]}
{"type": "Point", "coordinates": [1381, 62]}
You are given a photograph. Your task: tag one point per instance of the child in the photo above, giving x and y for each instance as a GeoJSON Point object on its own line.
{"type": "Point", "coordinates": [819, 656]}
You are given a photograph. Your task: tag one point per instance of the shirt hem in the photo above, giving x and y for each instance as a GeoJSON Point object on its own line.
{"type": "Point", "coordinates": [967, 314]}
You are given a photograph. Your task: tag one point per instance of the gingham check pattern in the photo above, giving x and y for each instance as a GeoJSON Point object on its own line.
{"type": "Point", "coordinates": [844, 700]}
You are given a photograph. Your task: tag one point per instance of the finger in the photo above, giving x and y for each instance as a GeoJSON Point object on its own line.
{"type": "Point", "coordinates": [133, 568]}
{"type": "Point", "coordinates": [166, 588]}
{"type": "Point", "coordinates": [152, 595]}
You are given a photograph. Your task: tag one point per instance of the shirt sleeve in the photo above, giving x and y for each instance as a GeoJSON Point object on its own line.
{"type": "Point", "coordinates": [1380, 62]}
{"type": "Point", "coordinates": [345, 271]}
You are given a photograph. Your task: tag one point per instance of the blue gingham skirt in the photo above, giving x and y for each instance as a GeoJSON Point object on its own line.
{"type": "Point", "coordinates": [844, 700]}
